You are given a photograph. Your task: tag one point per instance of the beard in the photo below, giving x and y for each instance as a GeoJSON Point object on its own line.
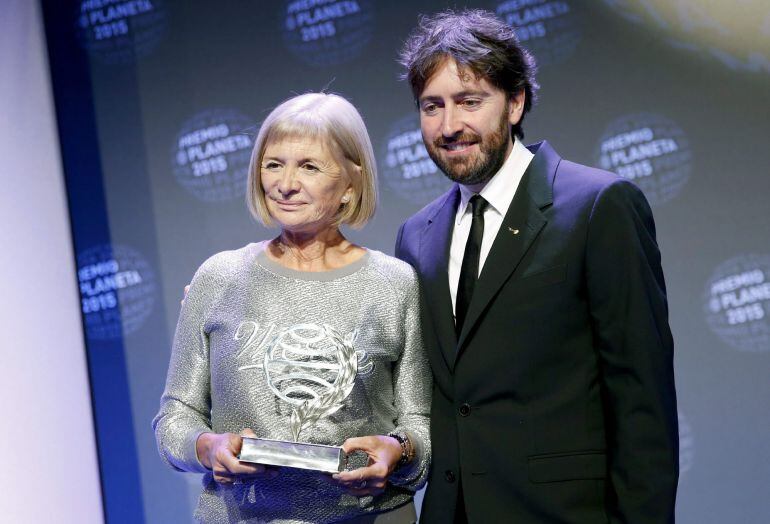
{"type": "Point", "coordinates": [479, 168]}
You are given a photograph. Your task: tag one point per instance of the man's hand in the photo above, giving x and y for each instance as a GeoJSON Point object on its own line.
{"type": "Point", "coordinates": [186, 290]}
{"type": "Point", "coordinates": [384, 453]}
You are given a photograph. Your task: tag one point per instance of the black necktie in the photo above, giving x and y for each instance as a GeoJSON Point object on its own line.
{"type": "Point", "coordinates": [469, 272]}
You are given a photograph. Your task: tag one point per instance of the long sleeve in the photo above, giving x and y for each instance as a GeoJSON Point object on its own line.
{"type": "Point", "coordinates": [240, 308]}
{"type": "Point", "coordinates": [185, 407]}
{"type": "Point", "coordinates": [629, 312]}
{"type": "Point", "coordinates": [412, 381]}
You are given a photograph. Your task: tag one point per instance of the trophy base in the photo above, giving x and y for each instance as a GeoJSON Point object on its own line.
{"type": "Point", "coordinates": [316, 457]}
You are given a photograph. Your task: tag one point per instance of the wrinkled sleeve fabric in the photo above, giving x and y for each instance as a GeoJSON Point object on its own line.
{"type": "Point", "coordinates": [629, 314]}
{"type": "Point", "coordinates": [412, 386]}
{"type": "Point", "coordinates": [185, 407]}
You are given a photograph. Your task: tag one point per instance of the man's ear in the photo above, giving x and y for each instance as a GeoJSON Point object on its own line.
{"type": "Point", "coordinates": [516, 107]}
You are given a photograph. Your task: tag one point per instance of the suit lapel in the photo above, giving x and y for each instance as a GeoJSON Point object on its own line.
{"type": "Point", "coordinates": [434, 263]}
{"type": "Point", "coordinates": [521, 225]}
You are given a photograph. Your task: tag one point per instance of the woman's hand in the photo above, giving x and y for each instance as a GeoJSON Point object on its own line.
{"type": "Point", "coordinates": [384, 453]}
{"type": "Point", "coordinates": [219, 453]}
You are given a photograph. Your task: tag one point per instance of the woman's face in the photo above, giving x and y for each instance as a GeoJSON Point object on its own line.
{"type": "Point", "coordinates": [305, 184]}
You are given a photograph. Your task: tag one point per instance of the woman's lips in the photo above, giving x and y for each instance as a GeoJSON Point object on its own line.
{"type": "Point", "coordinates": [288, 204]}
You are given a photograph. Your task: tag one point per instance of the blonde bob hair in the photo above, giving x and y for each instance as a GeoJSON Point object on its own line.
{"type": "Point", "coordinates": [337, 124]}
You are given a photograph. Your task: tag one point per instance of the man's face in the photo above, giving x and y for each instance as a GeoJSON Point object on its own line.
{"type": "Point", "coordinates": [466, 123]}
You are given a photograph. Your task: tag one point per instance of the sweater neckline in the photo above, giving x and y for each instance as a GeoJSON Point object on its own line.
{"type": "Point", "coordinates": [320, 276]}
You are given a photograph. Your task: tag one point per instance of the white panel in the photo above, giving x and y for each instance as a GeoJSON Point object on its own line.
{"type": "Point", "coordinates": [49, 468]}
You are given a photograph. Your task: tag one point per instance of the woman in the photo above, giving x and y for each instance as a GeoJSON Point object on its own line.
{"type": "Point", "coordinates": [260, 334]}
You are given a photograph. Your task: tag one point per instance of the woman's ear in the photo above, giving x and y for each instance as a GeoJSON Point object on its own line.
{"type": "Point", "coordinates": [347, 196]}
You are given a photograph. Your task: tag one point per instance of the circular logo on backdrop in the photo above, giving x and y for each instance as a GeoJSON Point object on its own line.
{"type": "Point", "coordinates": [686, 445]}
{"type": "Point", "coordinates": [651, 150]}
{"type": "Point", "coordinates": [327, 32]}
{"type": "Point", "coordinates": [737, 302]}
{"type": "Point", "coordinates": [409, 171]}
{"type": "Point", "coordinates": [547, 28]}
{"type": "Point", "coordinates": [117, 290]}
{"type": "Point", "coordinates": [115, 31]}
{"type": "Point", "coordinates": [211, 155]}
{"type": "Point", "coordinates": [735, 34]}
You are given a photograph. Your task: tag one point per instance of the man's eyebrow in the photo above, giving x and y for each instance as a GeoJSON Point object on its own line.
{"type": "Point", "coordinates": [472, 92]}
{"type": "Point", "coordinates": [461, 94]}
{"type": "Point", "coordinates": [429, 99]}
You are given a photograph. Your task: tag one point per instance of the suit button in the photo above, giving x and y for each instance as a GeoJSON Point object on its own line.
{"type": "Point", "coordinates": [465, 410]}
{"type": "Point", "coordinates": [449, 476]}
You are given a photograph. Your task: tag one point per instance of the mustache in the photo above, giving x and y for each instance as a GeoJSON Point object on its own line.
{"type": "Point", "coordinates": [443, 141]}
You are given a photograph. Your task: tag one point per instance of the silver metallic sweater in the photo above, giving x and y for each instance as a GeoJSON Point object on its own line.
{"type": "Point", "coordinates": [244, 318]}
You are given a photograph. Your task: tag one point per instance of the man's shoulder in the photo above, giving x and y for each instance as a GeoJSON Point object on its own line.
{"type": "Point", "coordinates": [429, 210]}
{"type": "Point", "coordinates": [577, 186]}
{"type": "Point", "coordinates": [575, 180]}
{"type": "Point", "coordinates": [587, 177]}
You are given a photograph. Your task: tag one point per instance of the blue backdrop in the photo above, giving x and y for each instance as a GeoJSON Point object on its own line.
{"type": "Point", "coordinates": [158, 102]}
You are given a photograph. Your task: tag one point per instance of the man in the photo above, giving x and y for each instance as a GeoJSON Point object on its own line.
{"type": "Point", "coordinates": [546, 313]}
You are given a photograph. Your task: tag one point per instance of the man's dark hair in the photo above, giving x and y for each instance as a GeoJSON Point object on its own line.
{"type": "Point", "coordinates": [476, 40]}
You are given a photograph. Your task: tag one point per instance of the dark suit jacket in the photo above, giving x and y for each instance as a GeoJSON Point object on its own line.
{"type": "Point", "coordinates": [557, 402]}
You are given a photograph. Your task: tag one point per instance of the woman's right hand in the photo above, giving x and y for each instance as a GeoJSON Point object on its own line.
{"type": "Point", "coordinates": [219, 453]}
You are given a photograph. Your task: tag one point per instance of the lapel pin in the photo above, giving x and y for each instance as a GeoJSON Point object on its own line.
{"type": "Point", "coordinates": [514, 231]}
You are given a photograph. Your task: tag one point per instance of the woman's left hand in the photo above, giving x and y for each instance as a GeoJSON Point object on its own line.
{"type": "Point", "coordinates": [384, 453]}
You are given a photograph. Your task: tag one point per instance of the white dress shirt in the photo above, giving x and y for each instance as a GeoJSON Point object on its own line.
{"type": "Point", "coordinates": [499, 192]}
